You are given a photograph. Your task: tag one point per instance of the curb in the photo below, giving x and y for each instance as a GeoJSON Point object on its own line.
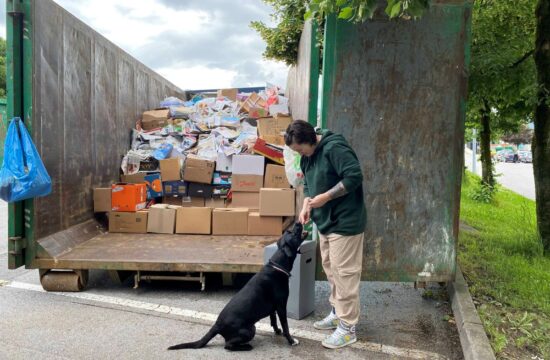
{"type": "Point", "coordinates": [473, 339]}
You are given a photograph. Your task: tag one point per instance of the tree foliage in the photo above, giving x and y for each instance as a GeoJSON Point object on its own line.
{"type": "Point", "coordinates": [283, 40]}
{"type": "Point", "coordinates": [361, 10]}
{"type": "Point", "coordinates": [502, 70]}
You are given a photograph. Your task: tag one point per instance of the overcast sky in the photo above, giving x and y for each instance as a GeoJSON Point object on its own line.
{"type": "Point", "coordinates": [193, 43]}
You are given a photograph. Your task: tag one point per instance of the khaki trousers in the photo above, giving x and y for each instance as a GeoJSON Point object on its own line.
{"type": "Point", "coordinates": [342, 258]}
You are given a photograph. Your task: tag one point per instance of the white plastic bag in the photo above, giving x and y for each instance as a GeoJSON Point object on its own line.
{"type": "Point", "coordinates": [292, 167]}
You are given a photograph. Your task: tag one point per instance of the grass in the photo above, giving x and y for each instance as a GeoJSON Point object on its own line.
{"type": "Point", "coordinates": [508, 275]}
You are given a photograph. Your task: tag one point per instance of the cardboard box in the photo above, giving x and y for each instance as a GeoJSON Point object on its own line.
{"type": "Point", "coordinates": [264, 225]}
{"type": "Point", "coordinates": [272, 129]}
{"type": "Point", "coordinates": [220, 191]}
{"type": "Point", "coordinates": [128, 222]}
{"type": "Point", "coordinates": [249, 200]}
{"type": "Point", "coordinates": [128, 197]}
{"type": "Point", "coordinates": [221, 178]}
{"type": "Point", "coordinates": [200, 190]}
{"type": "Point", "coordinates": [137, 178]}
{"type": "Point", "coordinates": [275, 177]}
{"type": "Point", "coordinates": [230, 221]}
{"type": "Point", "coordinates": [162, 219]}
{"type": "Point", "coordinates": [224, 163]}
{"type": "Point", "coordinates": [175, 188]}
{"type": "Point", "coordinates": [276, 109]}
{"type": "Point", "coordinates": [154, 185]}
{"type": "Point", "coordinates": [248, 164]}
{"type": "Point", "coordinates": [257, 112]}
{"type": "Point", "coordinates": [172, 200]}
{"type": "Point", "coordinates": [198, 170]}
{"type": "Point", "coordinates": [170, 169]}
{"type": "Point", "coordinates": [154, 119]}
{"type": "Point", "coordinates": [188, 201]}
{"type": "Point", "coordinates": [254, 100]}
{"type": "Point", "coordinates": [247, 183]}
{"type": "Point", "coordinates": [152, 179]}
{"type": "Point", "coordinates": [231, 94]}
{"type": "Point", "coordinates": [102, 199]}
{"type": "Point", "coordinates": [277, 202]}
{"type": "Point", "coordinates": [214, 203]}
{"type": "Point", "coordinates": [194, 220]}
{"type": "Point", "coordinates": [270, 151]}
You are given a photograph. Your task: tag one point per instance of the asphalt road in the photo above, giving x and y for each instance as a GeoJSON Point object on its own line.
{"type": "Point", "coordinates": [110, 320]}
{"type": "Point", "coordinates": [517, 177]}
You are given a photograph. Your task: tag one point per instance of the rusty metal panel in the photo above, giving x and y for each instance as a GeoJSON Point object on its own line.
{"type": "Point", "coordinates": [87, 95]}
{"type": "Point", "coordinates": [397, 93]}
{"type": "Point", "coordinates": [298, 79]}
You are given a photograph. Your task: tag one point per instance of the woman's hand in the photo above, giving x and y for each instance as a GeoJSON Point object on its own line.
{"type": "Point", "coordinates": [319, 201]}
{"type": "Point", "coordinates": [305, 214]}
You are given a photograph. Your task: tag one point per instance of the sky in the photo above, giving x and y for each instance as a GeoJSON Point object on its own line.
{"type": "Point", "coordinates": [196, 44]}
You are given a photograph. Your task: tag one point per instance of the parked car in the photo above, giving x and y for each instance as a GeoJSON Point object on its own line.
{"type": "Point", "coordinates": [525, 156]}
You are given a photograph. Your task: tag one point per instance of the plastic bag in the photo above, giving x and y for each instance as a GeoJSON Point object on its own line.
{"type": "Point", "coordinates": [163, 151]}
{"type": "Point", "coordinates": [23, 175]}
{"type": "Point", "coordinates": [292, 167]}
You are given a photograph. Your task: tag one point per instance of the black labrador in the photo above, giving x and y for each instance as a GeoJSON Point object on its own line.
{"type": "Point", "coordinates": [266, 293]}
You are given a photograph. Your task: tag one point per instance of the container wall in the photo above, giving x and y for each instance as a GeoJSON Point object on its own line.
{"type": "Point", "coordinates": [397, 92]}
{"type": "Point", "coordinates": [87, 95]}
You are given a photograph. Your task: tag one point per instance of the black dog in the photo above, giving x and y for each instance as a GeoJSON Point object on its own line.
{"type": "Point", "coordinates": [265, 294]}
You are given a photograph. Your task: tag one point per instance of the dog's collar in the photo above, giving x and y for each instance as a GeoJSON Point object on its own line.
{"type": "Point", "coordinates": [278, 268]}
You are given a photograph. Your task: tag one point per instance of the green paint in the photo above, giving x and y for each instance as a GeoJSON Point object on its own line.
{"type": "Point", "coordinates": [329, 66]}
{"type": "Point", "coordinates": [313, 76]}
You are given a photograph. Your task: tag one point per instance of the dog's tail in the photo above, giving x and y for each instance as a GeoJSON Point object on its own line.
{"type": "Point", "coordinates": [197, 344]}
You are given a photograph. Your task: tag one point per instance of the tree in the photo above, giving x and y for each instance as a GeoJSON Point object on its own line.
{"type": "Point", "coordinates": [283, 40]}
{"type": "Point", "coordinates": [541, 138]}
{"type": "Point", "coordinates": [523, 136]}
{"type": "Point", "coordinates": [502, 85]}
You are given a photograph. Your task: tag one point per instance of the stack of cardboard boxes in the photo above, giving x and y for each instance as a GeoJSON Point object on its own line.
{"type": "Point", "coordinates": [260, 202]}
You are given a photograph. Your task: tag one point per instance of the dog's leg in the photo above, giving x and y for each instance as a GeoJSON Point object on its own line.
{"type": "Point", "coordinates": [240, 341]}
{"type": "Point", "coordinates": [281, 311]}
{"type": "Point", "coordinates": [273, 318]}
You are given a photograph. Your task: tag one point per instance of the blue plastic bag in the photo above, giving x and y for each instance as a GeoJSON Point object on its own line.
{"type": "Point", "coordinates": [163, 151]}
{"type": "Point", "coordinates": [23, 175]}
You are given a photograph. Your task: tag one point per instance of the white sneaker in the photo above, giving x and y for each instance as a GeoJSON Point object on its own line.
{"type": "Point", "coordinates": [344, 335]}
{"type": "Point", "coordinates": [328, 323]}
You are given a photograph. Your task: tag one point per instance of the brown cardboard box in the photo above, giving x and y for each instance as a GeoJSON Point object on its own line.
{"type": "Point", "coordinates": [272, 129]}
{"type": "Point", "coordinates": [254, 100]}
{"type": "Point", "coordinates": [128, 222]}
{"type": "Point", "coordinates": [189, 201]}
{"type": "Point", "coordinates": [198, 170]}
{"type": "Point", "coordinates": [162, 219]}
{"type": "Point", "coordinates": [277, 202]}
{"type": "Point", "coordinates": [170, 169]}
{"type": "Point", "coordinates": [217, 203]}
{"type": "Point", "coordinates": [102, 199]}
{"type": "Point", "coordinates": [194, 220]}
{"type": "Point", "coordinates": [137, 178]}
{"type": "Point", "coordinates": [264, 225]}
{"type": "Point", "coordinates": [154, 119]}
{"type": "Point", "coordinates": [231, 94]}
{"type": "Point", "coordinates": [275, 177]}
{"type": "Point", "coordinates": [247, 183]}
{"type": "Point", "coordinates": [249, 200]}
{"type": "Point", "coordinates": [172, 200]}
{"type": "Point", "coordinates": [230, 221]}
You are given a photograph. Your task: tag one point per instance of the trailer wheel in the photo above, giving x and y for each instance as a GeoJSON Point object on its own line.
{"type": "Point", "coordinates": [63, 280]}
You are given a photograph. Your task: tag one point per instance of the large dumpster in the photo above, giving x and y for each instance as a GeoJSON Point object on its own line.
{"type": "Point", "coordinates": [79, 95]}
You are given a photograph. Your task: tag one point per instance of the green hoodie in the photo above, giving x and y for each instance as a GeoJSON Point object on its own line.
{"type": "Point", "coordinates": [333, 161]}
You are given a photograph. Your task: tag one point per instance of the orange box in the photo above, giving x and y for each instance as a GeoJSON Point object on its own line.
{"type": "Point", "coordinates": [128, 197]}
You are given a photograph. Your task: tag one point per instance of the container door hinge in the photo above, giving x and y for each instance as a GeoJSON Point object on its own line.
{"type": "Point", "coordinates": [18, 244]}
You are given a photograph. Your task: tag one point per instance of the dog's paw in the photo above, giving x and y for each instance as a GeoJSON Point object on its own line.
{"type": "Point", "coordinates": [295, 342]}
